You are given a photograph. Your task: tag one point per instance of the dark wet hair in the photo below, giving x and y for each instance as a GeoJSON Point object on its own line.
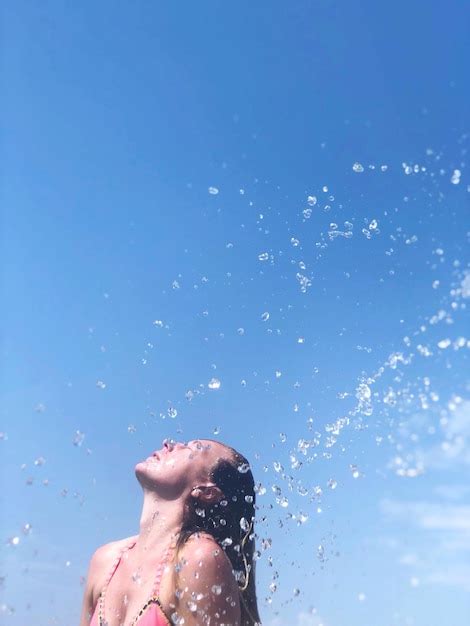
{"type": "Point", "coordinates": [231, 524]}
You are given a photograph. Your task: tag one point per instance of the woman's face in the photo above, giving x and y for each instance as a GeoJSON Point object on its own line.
{"type": "Point", "coordinates": [177, 467]}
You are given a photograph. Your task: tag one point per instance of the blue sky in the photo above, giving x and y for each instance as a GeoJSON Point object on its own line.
{"type": "Point", "coordinates": [158, 160]}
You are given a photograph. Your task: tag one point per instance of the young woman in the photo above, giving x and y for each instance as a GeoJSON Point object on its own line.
{"type": "Point", "coordinates": [192, 561]}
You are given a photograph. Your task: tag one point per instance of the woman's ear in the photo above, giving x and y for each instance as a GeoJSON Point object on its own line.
{"type": "Point", "coordinates": [207, 493]}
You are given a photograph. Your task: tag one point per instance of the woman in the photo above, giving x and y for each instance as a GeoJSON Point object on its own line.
{"type": "Point", "coordinates": [192, 561]}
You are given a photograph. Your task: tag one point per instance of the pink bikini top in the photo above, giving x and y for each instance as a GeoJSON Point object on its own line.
{"type": "Point", "coordinates": [151, 614]}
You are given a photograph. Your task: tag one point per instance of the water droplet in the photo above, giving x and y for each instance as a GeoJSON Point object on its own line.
{"type": "Point", "coordinates": [192, 606]}
{"type": "Point", "coordinates": [311, 200]}
{"type": "Point", "coordinates": [455, 178]}
{"type": "Point", "coordinates": [444, 343]}
{"type": "Point", "coordinates": [265, 316]}
{"type": "Point", "coordinates": [357, 167]}
{"type": "Point", "coordinates": [260, 489]}
{"type": "Point", "coordinates": [213, 191]}
{"type": "Point", "coordinates": [78, 439]}
{"type": "Point", "coordinates": [355, 471]}
{"type": "Point", "coordinates": [13, 541]}
{"type": "Point", "coordinates": [332, 483]}
{"type": "Point", "coordinates": [264, 256]}
{"type": "Point", "coordinates": [100, 384]}
{"type": "Point", "coordinates": [243, 468]}
{"type": "Point", "coordinates": [214, 383]}
{"type": "Point", "coordinates": [178, 620]}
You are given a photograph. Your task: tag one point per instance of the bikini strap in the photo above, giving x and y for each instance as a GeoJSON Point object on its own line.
{"type": "Point", "coordinates": [101, 618]}
{"type": "Point", "coordinates": [163, 567]}
{"type": "Point", "coordinates": [116, 563]}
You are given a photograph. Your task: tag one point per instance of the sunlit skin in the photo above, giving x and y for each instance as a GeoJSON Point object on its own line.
{"type": "Point", "coordinates": [168, 477]}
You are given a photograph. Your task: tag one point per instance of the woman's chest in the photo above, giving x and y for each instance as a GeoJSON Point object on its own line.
{"type": "Point", "coordinates": [135, 592]}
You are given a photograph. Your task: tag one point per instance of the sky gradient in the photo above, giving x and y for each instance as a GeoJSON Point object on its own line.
{"type": "Point", "coordinates": [272, 196]}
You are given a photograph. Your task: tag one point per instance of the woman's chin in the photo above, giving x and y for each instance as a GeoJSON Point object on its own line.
{"type": "Point", "coordinates": [141, 466]}
{"type": "Point", "coordinates": [146, 463]}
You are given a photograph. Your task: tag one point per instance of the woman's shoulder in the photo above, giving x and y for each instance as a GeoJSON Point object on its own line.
{"type": "Point", "coordinates": [102, 560]}
{"type": "Point", "coordinates": [112, 547]}
{"type": "Point", "coordinates": [202, 548]}
{"type": "Point", "coordinates": [206, 572]}
{"type": "Point", "coordinates": [198, 541]}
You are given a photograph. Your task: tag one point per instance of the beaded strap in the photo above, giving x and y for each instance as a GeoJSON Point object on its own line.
{"type": "Point", "coordinates": [101, 618]}
{"type": "Point", "coordinates": [150, 601]}
{"type": "Point", "coordinates": [160, 570]}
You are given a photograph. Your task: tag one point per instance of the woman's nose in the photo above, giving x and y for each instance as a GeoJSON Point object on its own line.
{"type": "Point", "coordinates": [169, 444]}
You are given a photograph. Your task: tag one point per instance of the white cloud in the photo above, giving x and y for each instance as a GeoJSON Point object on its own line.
{"type": "Point", "coordinates": [455, 447]}
{"type": "Point", "coordinates": [429, 515]}
{"type": "Point", "coordinates": [409, 559]}
{"type": "Point", "coordinates": [457, 576]}
{"type": "Point", "coordinates": [441, 555]}
{"type": "Point", "coordinates": [307, 619]}
{"type": "Point", "coordinates": [452, 492]}
{"type": "Point", "coordinates": [303, 619]}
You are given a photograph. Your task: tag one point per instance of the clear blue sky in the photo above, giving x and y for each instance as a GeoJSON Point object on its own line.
{"type": "Point", "coordinates": [119, 119]}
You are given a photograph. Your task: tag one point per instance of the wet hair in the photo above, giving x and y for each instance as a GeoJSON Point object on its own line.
{"type": "Point", "coordinates": [231, 523]}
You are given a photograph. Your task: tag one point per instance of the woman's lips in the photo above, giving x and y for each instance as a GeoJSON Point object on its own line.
{"type": "Point", "coordinates": [159, 455]}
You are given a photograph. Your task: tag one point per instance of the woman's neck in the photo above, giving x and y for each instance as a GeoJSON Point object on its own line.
{"type": "Point", "coordinates": [160, 522]}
